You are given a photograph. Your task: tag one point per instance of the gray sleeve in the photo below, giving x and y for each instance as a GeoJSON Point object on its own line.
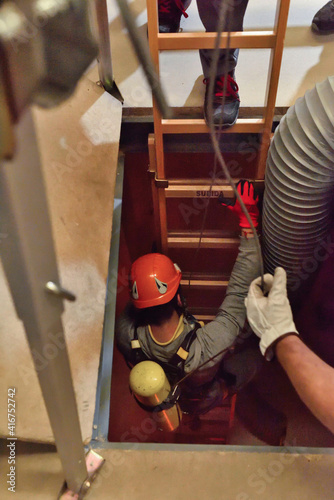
{"type": "Point", "coordinates": [124, 330]}
{"type": "Point", "coordinates": [221, 333]}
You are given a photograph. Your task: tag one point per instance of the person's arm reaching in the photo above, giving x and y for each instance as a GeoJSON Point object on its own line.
{"type": "Point", "coordinates": [247, 264]}
{"type": "Point", "coordinates": [312, 378]}
{"type": "Point", "coordinates": [271, 319]}
{"type": "Point", "coordinates": [222, 332]}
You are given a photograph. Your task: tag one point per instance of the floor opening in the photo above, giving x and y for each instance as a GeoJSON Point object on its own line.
{"type": "Point", "coordinates": [268, 410]}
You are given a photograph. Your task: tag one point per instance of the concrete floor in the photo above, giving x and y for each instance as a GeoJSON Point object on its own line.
{"type": "Point", "coordinates": [78, 144]}
{"type": "Point", "coordinates": [149, 474]}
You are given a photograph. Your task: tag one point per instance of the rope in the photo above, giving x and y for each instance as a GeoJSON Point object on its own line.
{"type": "Point", "coordinates": [215, 134]}
{"type": "Point", "coordinates": [224, 8]}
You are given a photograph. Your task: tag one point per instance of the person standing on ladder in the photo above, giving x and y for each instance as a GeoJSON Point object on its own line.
{"type": "Point", "coordinates": [155, 325]}
{"type": "Point", "coordinates": [170, 12]}
{"type": "Point", "coordinates": [323, 21]}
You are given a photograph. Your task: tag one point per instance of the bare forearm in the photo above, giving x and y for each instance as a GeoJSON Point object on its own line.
{"type": "Point", "coordinates": [312, 378]}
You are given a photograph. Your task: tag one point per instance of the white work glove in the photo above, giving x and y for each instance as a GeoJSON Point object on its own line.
{"type": "Point", "coordinates": [270, 317]}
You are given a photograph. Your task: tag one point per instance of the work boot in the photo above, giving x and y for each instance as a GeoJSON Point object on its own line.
{"type": "Point", "coordinates": [226, 115]}
{"type": "Point", "coordinates": [170, 12]}
{"type": "Point", "coordinates": [323, 21]}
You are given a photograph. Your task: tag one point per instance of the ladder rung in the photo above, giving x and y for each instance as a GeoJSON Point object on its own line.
{"type": "Point", "coordinates": [204, 283]}
{"type": "Point", "coordinates": [189, 126]}
{"type": "Point", "coordinates": [203, 311]}
{"type": "Point", "coordinates": [192, 242]}
{"type": "Point", "coordinates": [200, 188]}
{"type": "Point", "coordinates": [204, 317]}
{"type": "Point", "coordinates": [238, 39]}
{"type": "Point", "coordinates": [198, 191]}
{"type": "Point", "coordinates": [194, 182]}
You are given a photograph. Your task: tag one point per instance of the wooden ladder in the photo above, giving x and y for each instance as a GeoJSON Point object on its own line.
{"type": "Point", "coordinates": [163, 188]}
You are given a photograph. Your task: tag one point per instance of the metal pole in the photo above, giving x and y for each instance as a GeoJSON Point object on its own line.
{"type": "Point", "coordinates": [29, 260]}
{"type": "Point", "coordinates": [104, 57]}
{"type": "Point", "coordinates": [141, 47]}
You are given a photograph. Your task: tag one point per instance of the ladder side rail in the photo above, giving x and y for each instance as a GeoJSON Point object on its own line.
{"type": "Point", "coordinates": [281, 20]}
{"type": "Point", "coordinates": [153, 28]}
{"type": "Point", "coordinates": [155, 196]}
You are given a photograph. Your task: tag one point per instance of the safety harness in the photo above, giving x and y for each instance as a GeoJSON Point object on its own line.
{"type": "Point", "coordinates": [189, 401]}
{"type": "Point", "coordinates": [172, 368]}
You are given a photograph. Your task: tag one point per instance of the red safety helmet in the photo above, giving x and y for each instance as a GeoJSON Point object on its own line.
{"type": "Point", "coordinates": [154, 280]}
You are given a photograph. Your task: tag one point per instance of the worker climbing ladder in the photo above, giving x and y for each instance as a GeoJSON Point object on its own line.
{"type": "Point", "coordinates": [164, 188]}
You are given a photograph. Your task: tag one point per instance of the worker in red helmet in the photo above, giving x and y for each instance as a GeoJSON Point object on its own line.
{"type": "Point", "coordinates": [156, 326]}
{"type": "Point", "coordinates": [154, 290]}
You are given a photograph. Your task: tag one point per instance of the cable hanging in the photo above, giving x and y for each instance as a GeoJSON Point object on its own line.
{"type": "Point", "coordinates": [215, 133]}
{"type": "Point", "coordinates": [223, 12]}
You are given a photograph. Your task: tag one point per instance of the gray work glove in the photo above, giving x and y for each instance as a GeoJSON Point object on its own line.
{"type": "Point", "coordinates": [270, 316]}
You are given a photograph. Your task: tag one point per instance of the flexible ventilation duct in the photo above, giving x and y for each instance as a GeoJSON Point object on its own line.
{"type": "Point", "coordinates": [299, 187]}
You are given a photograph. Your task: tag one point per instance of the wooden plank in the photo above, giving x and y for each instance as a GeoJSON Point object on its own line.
{"type": "Point", "coordinates": [206, 242]}
{"type": "Point", "coordinates": [152, 29]}
{"type": "Point", "coordinates": [198, 126]}
{"type": "Point", "coordinates": [152, 17]}
{"type": "Point", "coordinates": [155, 196]}
{"type": "Point", "coordinates": [200, 188]}
{"type": "Point", "coordinates": [199, 191]}
{"type": "Point", "coordinates": [195, 182]}
{"type": "Point", "coordinates": [238, 39]}
{"type": "Point", "coordinates": [204, 317]}
{"type": "Point", "coordinates": [152, 26]}
{"type": "Point", "coordinates": [163, 220]}
{"type": "Point", "coordinates": [282, 12]}
{"type": "Point", "coordinates": [144, 114]}
{"type": "Point", "coordinates": [204, 283]}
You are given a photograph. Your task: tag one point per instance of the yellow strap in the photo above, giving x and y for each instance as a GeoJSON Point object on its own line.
{"type": "Point", "coordinates": [135, 344]}
{"type": "Point", "coordinates": [182, 353]}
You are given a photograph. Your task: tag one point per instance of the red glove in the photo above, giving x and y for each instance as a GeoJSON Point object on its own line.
{"type": "Point", "coordinates": [250, 199]}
